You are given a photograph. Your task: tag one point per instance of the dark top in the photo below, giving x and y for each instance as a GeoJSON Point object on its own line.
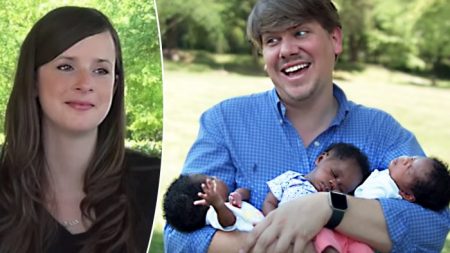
{"type": "Point", "coordinates": [142, 181]}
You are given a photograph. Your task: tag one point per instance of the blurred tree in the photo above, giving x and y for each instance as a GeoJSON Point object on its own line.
{"type": "Point", "coordinates": [432, 28]}
{"type": "Point", "coordinates": [389, 37]}
{"type": "Point", "coordinates": [235, 14]}
{"type": "Point", "coordinates": [136, 24]}
{"type": "Point", "coordinates": [204, 24]}
{"type": "Point", "coordinates": [192, 24]}
{"type": "Point", "coordinates": [355, 16]}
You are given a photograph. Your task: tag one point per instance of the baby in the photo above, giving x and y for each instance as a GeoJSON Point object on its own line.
{"type": "Point", "coordinates": [341, 167]}
{"type": "Point", "coordinates": [422, 180]}
{"type": "Point", "coordinates": [193, 201]}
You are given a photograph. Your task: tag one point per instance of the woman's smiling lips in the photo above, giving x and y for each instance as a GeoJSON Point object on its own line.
{"type": "Point", "coordinates": [80, 105]}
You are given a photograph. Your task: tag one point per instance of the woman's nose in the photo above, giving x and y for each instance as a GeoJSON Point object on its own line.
{"type": "Point", "coordinates": [84, 81]}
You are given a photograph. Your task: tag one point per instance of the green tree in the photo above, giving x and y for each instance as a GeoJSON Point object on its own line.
{"type": "Point", "coordinates": [355, 19]}
{"type": "Point", "coordinates": [192, 24]}
{"type": "Point", "coordinates": [431, 30]}
{"type": "Point", "coordinates": [136, 24]}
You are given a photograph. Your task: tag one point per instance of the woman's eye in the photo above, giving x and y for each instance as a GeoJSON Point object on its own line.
{"type": "Point", "coordinates": [101, 71]}
{"type": "Point", "coordinates": [64, 67]}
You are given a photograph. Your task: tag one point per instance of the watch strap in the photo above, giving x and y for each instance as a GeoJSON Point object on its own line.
{"type": "Point", "coordinates": [335, 219]}
{"type": "Point", "coordinates": [338, 204]}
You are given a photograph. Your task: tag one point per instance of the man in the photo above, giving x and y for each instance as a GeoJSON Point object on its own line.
{"type": "Point", "coordinates": [248, 140]}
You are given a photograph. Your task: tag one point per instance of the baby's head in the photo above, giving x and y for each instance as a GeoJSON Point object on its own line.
{"type": "Point", "coordinates": [423, 180]}
{"type": "Point", "coordinates": [179, 209]}
{"type": "Point", "coordinates": [341, 167]}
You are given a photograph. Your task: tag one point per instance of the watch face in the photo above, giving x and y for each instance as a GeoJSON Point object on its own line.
{"type": "Point", "coordinates": [338, 200]}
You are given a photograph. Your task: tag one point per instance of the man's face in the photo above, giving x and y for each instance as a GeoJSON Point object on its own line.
{"type": "Point", "coordinates": [300, 60]}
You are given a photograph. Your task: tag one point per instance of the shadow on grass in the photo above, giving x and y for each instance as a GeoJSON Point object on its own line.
{"type": "Point", "coordinates": [349, 67]}
{"type": "Point", "coordinates": [248, 65]}
{"type": "Point", "coordinates": [200, 61]}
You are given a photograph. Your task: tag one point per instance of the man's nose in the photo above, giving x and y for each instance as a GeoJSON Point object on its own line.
{"type": "Point", "coordinates": [288, 47]}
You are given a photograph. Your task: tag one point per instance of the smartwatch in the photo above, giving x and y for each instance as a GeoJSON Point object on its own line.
{"type": "Point", "coordinates": [338, 204]}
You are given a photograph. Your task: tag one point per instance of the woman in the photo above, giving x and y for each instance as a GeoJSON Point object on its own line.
{"type": "Point", "coordinates": [67, 184]}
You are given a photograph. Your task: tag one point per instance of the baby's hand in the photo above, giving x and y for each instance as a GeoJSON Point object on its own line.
{"type": "Point", "coordinates": [235, 199]}
{"type": "Point", "coordinates": [209, 195]}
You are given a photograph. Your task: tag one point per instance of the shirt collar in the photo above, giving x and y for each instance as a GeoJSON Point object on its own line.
{"type": "Point", "coordinates": [338, 93]}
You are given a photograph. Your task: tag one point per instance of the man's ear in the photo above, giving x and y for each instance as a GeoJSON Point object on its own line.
{"type": "Point", "coordinates": [336, 36]}
{"type": "Point", "coordinates": [407, 196]}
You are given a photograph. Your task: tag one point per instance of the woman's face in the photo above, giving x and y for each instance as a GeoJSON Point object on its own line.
{"type": "Point", "coordinates": [75, 89]}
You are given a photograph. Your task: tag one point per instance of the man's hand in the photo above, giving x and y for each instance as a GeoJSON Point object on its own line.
{"type": "Point", "coordinates": [291, 226]}
{"type": "Point", "coordinates": [209, 196]}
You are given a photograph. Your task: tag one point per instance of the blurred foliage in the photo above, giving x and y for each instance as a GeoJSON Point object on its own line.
{"type": "Point", "coordinates": [136, 24]}
{"type": "Point", "coordinates": [409, 35]}
{"type": "Point", "coordinates": [216, 26]}
{"type": "Point", "coordinates": [432, 27]}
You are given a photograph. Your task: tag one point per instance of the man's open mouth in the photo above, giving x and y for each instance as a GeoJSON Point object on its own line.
{"type": "Point", "coordinates": [295, 69]}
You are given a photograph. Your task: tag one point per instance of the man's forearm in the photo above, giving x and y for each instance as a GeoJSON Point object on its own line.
{"type": "Point", "coordinates": [364, 220]}
{"type": "Point", "coordinates": [227, 242]}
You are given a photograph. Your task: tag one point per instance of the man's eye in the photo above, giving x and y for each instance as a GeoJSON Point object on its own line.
{"type": "Point", "coordinates": [270, 41]}
{"type": "Point", "coordinates": [64, 67]}
{"type": "Point", "coordinates": [301, 33]}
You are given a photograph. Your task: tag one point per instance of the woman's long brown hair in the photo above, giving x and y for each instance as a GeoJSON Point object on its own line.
{"type": "Point", "coordinates": [25, 224]}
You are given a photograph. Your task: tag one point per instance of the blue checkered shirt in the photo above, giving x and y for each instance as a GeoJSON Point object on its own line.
{"type": "Point", "coordinates": [247, 141]}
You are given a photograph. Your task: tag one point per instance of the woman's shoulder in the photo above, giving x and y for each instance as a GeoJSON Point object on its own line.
{"type": "Point", "coordinates": [137, 161]}
{"type": "Point", "coordinates": [142, 171]}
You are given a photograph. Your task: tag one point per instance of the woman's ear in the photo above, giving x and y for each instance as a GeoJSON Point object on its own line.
{"type": "Point", "coordinates": [407, 196]}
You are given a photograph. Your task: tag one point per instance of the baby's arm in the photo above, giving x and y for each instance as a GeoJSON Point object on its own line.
{"type": "Point", "coordinates": [210, 196]}
{"type": "Point", "coordinates": [238, 196]}
{"type": "Point", "coordinates": [270, 203]}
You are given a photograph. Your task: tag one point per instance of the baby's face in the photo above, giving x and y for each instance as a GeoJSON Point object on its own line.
{"type": "Point", "coordinates": [333, 174]}
{"type": "Point", "coordinates": [406, 170]}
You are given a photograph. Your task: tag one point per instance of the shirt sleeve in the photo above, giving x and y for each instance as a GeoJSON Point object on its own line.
{"type": "Point", "coordinates": [208, 155]}
{"type": "Point", "coordinates": [392, 140]}
{"type": "Point", "coordinates": [194, 242]}
{"type": "Point", "coordinates": [413, 228]}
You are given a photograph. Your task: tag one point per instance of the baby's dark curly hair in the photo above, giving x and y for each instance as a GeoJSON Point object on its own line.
{"type": "Point", "coordinates": [344, 151]}
{"type": "Point", "coordinates": [433, 190]}
{"type": "Point", "coordinates": [179, 210]}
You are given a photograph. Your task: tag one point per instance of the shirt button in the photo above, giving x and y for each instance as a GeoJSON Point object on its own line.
{"type": "Point", "coordinates": [316, 143]}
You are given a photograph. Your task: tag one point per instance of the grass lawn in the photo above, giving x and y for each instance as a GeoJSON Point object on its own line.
{"type": "Point", "coordinates": [189, 90]}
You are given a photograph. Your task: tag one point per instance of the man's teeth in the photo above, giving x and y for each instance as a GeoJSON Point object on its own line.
{"type": "Point", "coordinates": [296, 68]}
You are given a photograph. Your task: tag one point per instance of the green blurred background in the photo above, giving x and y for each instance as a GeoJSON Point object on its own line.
{"type": "Point", "coordinates": [136, 24]}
